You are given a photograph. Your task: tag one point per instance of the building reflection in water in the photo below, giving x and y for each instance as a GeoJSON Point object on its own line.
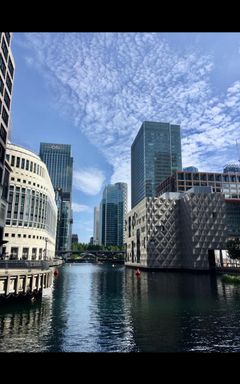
{"type": "Point", "coordinates": [183, 312]}
{"type": "Point", "coordinates": [113, 311]}
{"type": "Point", "coordinates": [24, 327]}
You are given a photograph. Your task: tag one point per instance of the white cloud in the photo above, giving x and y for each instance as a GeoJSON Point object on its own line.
{"type": "Point", "coordinates": [110, 83]}
{"type": "Point", "coordinates": [80, 208]}
{"type": "Point", "coordinates": [88, 180]}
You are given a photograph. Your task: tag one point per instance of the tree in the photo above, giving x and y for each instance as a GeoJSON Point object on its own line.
{"type": "Point", "coordinates": [233, 247]}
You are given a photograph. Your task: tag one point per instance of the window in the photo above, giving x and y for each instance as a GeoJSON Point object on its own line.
{"type": "Point", "coordinates": [14, 253]}
{"type": "Point", "coordinates": [7, 99]}
{"type": "Point", "coordinates": [10, 66]}
{"type": "Point", "coordinates": [6, 234]}
{"type": "Point", "coordinates": [3, 134]}
{"type": "Point", "coordinates": [7, 35]}
{"type": "Point", "coordinates": [18, 162]}
{"type": "Point", "coordinates": [13, 234]}
{"type": "Point", "coordinates": [31, 166]}
{"type": "Point", "coordinates": [24, 236]}
{"type": "Point", "coordinates": [4, 49]}
{"type": "Point", "coordinates": [13, 161]}
{"type": "Point", "coordinates": [23, 163]}
{"type": "Point", "coordinates": [25, 252]}
{"type": "Point", "coordinates": [2, 154]}
{"type": "Point", "coordinates": [27, 165]}
{"type": "Point", "coordinates": [1, 85]}
{"type": "Point", "coordinates": [2, 66]}
{"type": "Point", "coordinates": [19, 235]}
{"type": "Point", "coordinates": [5, 116]}
{"type": "Point", "coordinates": [9, 84]}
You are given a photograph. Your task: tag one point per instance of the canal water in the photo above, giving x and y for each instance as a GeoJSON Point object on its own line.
{"type": "Point", "coordinates": [101, 308]}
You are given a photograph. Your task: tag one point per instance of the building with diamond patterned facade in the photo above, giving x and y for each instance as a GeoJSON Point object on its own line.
{"type": "Point", "coordinates": [177, 230]}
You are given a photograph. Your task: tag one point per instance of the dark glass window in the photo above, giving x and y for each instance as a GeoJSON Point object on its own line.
{"type": "Point", "coordinates": [7, 99]}
{"type": "Point", "coordinates": [10, 66]}
{"type": "Point", "coordinates": [23, 163]}
{"type": "Point", "coordinates": [18, 162]}
{"type": "Point", "coordinates": [9, 83]}
{"type": "Point", "coordinates": [4, 49]}
{"type": "Point", "coordinates": [3, 134]}
{"type": "Point", "coordinates": [27, 165]}
{"type": "Point", "coordinates": [1, 85]}
{"type": "Point", "coordinates": [5, 116]}
{"type": "Point", "coordinates": [7, 34]}
{"type": "Point", "coordinates": [13, 161]}
{"type": "Point", "coordinates": [2, 65]}
{"type": "Point", "coordinates": [2, 153]}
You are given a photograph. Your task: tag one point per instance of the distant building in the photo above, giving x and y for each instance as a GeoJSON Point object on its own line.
{"type": "Point", "coordinates": [74, 239]}
{"type": "Point", "coordinates": [155, 155]}
{"type": "Point", "coordinates": [96, 226]}
{"type": "Point", "coordinates": [7, 69]}
{"type": "Point", "coordinates": [91, 240]}
{"type": "Point", "coordinates": [232, 167]}
{"type": "Point", "coordinates": [59, 162]}
{"type": "Point", "coordinates": [190, 169]}
{"type": "Point", "coordinates": [176, 230]}
{"type": "Point", "coordinates": [113, 209]}
{"type": "Point", "coordinates": [31, 221]}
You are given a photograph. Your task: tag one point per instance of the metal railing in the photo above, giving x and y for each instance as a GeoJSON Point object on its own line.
{"type": "Point", "coordinates": [24, 264]}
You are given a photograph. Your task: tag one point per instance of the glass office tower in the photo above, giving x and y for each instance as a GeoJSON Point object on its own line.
{"type": "Point", "coordinates": [113, 209]}
{"type": "Point", "coordinates": [155, 155]}
{"type": "Point", "coordinates": [59, 162]}
{"type": "Point", "coordinates": [7, 69]}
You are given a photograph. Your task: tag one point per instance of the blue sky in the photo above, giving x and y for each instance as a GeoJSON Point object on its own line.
{"type": "Point", "coordinates": [93, 91]}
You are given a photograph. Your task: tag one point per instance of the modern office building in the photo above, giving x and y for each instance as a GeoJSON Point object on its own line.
{"type": "Point", "coordinates": [226, 183]}
{"type": "Point", "coordinates": [96, 226]}
{"type": "Point", "coordinates": [190, 169]}
{"type": "Point", "coordinates": [31, 220]}
{"type": "Point", "coordinates": [177, 230]}
{"type": "Point", "coordinates": [7, 69]}
{"type": "Point", "coordinates": [59, 162]}
{"type": "Point", "coordinates": [113, 209]}
{"type": "Point", "coordinates": [155, 155]}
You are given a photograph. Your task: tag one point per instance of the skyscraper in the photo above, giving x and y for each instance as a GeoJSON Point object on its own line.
{"type": "Point", "coordinates": [113, 209]}
{"type": "Point", "coordinates": [59, 162]}
{"type": "Point", "coordinates": [96, 226]}
{"type": "Point", "coordinates": [6, 85]}
{"type": "Point", "coordinates": [155, 155]}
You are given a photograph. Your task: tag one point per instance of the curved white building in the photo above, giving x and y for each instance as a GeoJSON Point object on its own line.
{"type": "Point", "coordinates": [31, 219]}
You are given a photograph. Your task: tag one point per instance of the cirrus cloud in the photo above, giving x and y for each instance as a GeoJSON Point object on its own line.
{"type": "Point", "coordinates": [109, 83]}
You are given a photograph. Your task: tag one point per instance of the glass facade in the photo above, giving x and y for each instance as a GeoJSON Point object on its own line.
{"type": "Point", "coordinates": [59, 162]}
{"type": "Point", "coordinates": [155, 155]}
{"type": "Point", "coordinates": [113, 209]}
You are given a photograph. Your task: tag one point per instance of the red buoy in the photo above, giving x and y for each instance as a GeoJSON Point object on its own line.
{"type": "Point", "coordinates": [56, 272]}
{"type": "Point", "coordinates": [138, 273]}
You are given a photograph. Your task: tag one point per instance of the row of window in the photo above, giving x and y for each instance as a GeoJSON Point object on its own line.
{"type": "Point", "coordinates": [25, 236]}
{"type": "Point", "coordinates": [26, 252]}
{"type": "Point", "coordinates": [209, 177]}
{"type": "Point", "coordinates": [25, 164]}
{"type": "Point", "coordinates": [25, 182]}
{"type": "Point", "coordinates": [30, 208]}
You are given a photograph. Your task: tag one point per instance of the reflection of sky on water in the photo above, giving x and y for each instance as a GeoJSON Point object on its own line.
{"type": "Point", "coordinates": [98, 308]}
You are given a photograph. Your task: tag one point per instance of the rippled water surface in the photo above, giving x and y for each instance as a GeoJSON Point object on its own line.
{"type": "Point", "coordinates": [100, 308]}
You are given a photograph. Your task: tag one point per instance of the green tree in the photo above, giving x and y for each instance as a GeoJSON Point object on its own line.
{"type": "Point", "coordinates": [233, 247]}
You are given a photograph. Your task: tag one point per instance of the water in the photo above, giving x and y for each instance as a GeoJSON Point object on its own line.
{"type": "Point", "coordinates": [100, 308]}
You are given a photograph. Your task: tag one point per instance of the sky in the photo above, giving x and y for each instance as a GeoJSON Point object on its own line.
{"type": "Point", "coordinates": [94, 90]}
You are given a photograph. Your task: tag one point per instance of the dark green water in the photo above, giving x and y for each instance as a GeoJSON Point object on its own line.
{"type": "Point", "coordinates": [100, 308]}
